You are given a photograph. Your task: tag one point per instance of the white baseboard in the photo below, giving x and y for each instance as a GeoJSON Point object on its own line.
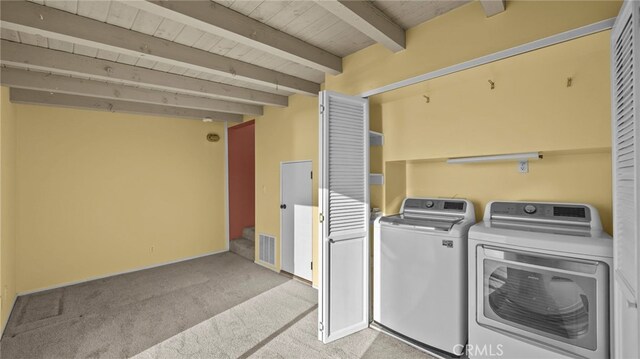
{"type": "Point", "coordinates": [119, 273]}
{"type": "Point", "coordinates": [6, 320]}
{"type": "Point", "coordinates": [262, 264]}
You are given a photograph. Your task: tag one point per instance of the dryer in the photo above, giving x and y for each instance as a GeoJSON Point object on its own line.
{"type": "Point", "coordinates": [539, 282]}
{"type": "Point", "coordinates": [420, 272]}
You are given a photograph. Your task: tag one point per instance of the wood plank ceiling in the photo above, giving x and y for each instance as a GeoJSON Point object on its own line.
{"type": "Point", "coordinates": [197, 59]}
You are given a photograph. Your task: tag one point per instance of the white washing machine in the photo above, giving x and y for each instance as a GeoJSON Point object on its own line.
{"type": "Point", "coordinates": [420, 272]}
{"type": "Point", "coordinates": [539, 282]}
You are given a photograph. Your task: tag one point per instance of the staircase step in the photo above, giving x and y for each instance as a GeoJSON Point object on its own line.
{"type": "Point", "coordinates": [243, 247]}
{"type": "Point", "coordinates": [249, 233]}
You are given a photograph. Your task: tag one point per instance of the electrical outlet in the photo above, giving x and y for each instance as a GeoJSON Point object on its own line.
{"type": "Point", "coordinates": [523, 166]}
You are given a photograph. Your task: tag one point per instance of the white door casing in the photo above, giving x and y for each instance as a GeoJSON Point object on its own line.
{"type": "Point", "coordinates": [625, 81]}
{"type": "Point", "coordinates": [343, 201]}
{"type": "Point", "coordinates": [296, 216]}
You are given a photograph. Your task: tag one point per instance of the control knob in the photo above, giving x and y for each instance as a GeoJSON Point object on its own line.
{"type": "Point", "coordinates": [530, 209]}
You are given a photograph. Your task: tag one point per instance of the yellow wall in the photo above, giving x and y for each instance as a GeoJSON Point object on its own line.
{"type": "Point", "coordinates": [7, 206]}
{"type": "Point", "coordinates": [562, 177]}
{"type": "Point", "coordinates": [572, 123]}
{"type": "Point", "coordinates": [464, 34]}
{"type": "Point", "coordinates": [530, 109]}
{"type": "Point", "coordinates": [284, 134]}
{"type": "Point", "coordinates": [101, 193]}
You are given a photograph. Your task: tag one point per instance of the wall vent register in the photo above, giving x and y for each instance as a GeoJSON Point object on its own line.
{"type": "Point", "coordinates": [267, 249]}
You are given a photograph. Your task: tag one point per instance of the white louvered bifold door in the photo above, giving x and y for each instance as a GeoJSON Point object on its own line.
{"type": "Point", "coordinates": [626, 166]}
{"type": "Point", "coordinates": [344, 212]}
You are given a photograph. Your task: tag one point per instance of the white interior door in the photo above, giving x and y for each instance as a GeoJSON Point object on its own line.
{"type": "Point", "coordinates": [296, 216]}
{"type": "Point", "coordinates": [344, 213]}
{"type": "Point", "coordinates": [625, 80]}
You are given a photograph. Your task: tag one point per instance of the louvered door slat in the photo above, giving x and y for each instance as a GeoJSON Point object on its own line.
{"type": "Point", "coordinates": [344, 204]}
{"type": "Point", "coordinates": [624, 110]}
{"type": "Point", "coordinates": [624, 79]}
{"type": "Point", "coordinates": [347, 146]}
{"type": "Point", "coordinates": [625, 122]}
{"type": "Point", "coordinates": [625, 153]}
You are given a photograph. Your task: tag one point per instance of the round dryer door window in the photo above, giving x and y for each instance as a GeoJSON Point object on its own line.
{"type": "Point", "coordinates": [550, 303]}
{"type": "Point", "coordinates": [550, 297]}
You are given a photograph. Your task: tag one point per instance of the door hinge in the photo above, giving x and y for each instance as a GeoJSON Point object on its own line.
{"type": "Point", "coordinates": [321, 217]}
{"type": "Point", "coordinates": [311, 174]}
{"type": "Point", "coordinates": [320, 326]}
{"type": "Point", "coordinates": [321, 109]}
{"type": "Point", "coordinates": [311, 265]}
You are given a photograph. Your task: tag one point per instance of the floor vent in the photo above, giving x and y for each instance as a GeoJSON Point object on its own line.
{"type": "Point", "coordinates": [267, 249]}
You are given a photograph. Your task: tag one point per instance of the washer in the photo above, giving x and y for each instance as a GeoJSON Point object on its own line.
{"type": "Point", "coordinates": [539, 282]}
{"type": "Point", "coordinates": [420, 272]}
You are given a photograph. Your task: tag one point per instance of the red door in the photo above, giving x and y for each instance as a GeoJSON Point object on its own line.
{"type": "Point", "coordinates": [241, 178]}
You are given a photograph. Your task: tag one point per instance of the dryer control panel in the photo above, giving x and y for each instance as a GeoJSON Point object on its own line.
{"type": "Point", "coordinates": [548, 212]}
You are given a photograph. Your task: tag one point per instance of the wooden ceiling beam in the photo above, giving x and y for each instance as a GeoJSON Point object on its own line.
{"type": "Point", "coordinates": [493, 7]}
{"type": "Point", "coordinates": [91, 103]}
{"type": "Point", "coordinates": [214, 18]}
{"type": "Point", "coordinates": [369, 20]}
{"type": "Point", "coordinates": [43, 59]}
{"type": "Point", "coordinates": [43, 81]}
{"type": "Point", "coordinates": [61, 25]}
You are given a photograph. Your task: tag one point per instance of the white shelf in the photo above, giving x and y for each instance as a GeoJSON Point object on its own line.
{"type": "Point", "coordinates": [376, 138]}
{"type": "Point", "coordinates": [376, 179]}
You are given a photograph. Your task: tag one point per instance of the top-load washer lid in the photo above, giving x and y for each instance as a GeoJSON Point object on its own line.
{"type": "Point", "coordinates": [431, 214]}
{"type": "Point", "coordinates": [427, 222]}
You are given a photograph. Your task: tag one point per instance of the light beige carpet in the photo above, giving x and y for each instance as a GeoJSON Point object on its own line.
{"type": "Point", "coordinates": [279, 323]}
{"type": "Point", "coordinates": [220, 306]}
{"type": "Point", "coordinates": [121, 316]}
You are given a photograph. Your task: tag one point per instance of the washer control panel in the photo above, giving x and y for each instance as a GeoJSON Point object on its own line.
{"type": "Point", "coordinates": [543, 211]}
{"type": "Point", "coordinates": [434, 204]}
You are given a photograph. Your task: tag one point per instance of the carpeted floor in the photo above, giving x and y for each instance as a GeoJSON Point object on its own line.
{"type": "Point", "coordinates": [220, 306]}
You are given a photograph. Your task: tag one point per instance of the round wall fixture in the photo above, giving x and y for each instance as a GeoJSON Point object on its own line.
{"type": "Point", "coordinates": [213, 137]}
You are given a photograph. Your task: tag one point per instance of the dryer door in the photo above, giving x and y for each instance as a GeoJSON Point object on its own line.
{"type": "Point", "coordinates": [558, 301]}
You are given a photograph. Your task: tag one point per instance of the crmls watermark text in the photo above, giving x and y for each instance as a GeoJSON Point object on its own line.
{"type": "Point", "coordinates": [480, 350]}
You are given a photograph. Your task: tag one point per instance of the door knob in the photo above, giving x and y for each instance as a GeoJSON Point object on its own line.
{"type": "Point", "coordinates": [283, 206]}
